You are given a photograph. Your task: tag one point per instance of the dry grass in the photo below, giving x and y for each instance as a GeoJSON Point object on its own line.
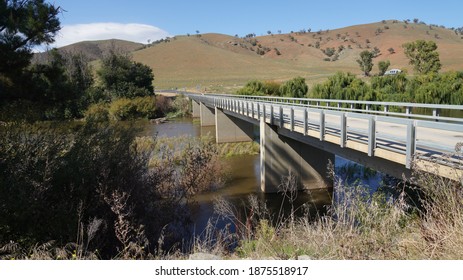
{"type": "Point", "coordinates": [223, 63]}
{"type": "Point", "coordinates": [358, 225]}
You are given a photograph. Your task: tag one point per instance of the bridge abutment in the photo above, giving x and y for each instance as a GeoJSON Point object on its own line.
{"type": "Point", "coordinates": [279, 155]}
{"type": "Point", "coordinates": [230, 129]}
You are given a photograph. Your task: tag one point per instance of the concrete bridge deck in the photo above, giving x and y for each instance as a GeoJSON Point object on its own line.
{"type": "Point", "coordinates": [386, 140]}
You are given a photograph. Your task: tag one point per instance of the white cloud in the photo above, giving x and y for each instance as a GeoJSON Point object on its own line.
{"type": "Point", "coordinates": [134, 32]}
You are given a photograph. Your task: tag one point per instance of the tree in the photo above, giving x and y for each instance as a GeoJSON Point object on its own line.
{"type": "Point", "coordinates": [423, 56]}
{"type": "Point", "coordinates": [123, 77]}
{"type": "Point", "coordinates": [294, 88]}
{"type": "Point", "coordinates": [366, 62]}
{"type": "Point", "coordinates": [24, 24]}
{"type": "Point", "coordinates": [383, 65]}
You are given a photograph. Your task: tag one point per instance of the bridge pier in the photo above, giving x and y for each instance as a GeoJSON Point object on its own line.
{"type": "Point", "coordinates": [195, 109]}
{"type": "Point", "coordinates": [207, 115]}
{"type": "Point", "coordinates": [280, 154]}
{"type": "Point", "coordinates": [230, 129]}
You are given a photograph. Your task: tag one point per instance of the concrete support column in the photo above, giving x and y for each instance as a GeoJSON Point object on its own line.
{"type": "Point", "coordinates": [195, 109]}
{"type": "Point", "coordinates": [207, 115]}
{"type": "Point", "coordinates": [230, 129]}
{"type": "Point", "coordinates": [280, 154]}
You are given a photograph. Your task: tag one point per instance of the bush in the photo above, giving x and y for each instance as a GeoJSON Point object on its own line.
{"type": "Point", "coordinates": [181, 106]}
{"type": "Point", "coordinates": [253, 87]}
{"type": "Point", "coordinates": [91, 189]}
{"type": "Point", "coordinates": [163, 104]}
{"type": "Point", "coordinates": [294, 88]}
{"type": "Point", "coordinates": [129, 109]}
{"type": "Point", "coordinates": [97, 112]}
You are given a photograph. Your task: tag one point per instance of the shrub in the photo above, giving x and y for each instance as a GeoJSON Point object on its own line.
{"type": "Point", "coordinates": [253, 87]}
{"type": "Point", "coordinates": [294, 88]}
{"type": "Point", "coordinates": [127, 109]}
{"type": "Point", "coordinates": [91, 189]}
{"type": "Point", "coordinates": [97, 112]}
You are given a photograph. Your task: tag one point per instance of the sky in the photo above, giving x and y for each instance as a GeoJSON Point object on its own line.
{"type": "Point", "coordinates": [143, 20]}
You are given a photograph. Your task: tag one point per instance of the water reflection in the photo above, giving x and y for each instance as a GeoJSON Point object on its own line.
{"type": "Point", "coordinates": [243, 180]}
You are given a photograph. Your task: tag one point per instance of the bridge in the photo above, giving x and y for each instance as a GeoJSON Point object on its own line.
{"type": "Point", "coordinates": [303, 135]}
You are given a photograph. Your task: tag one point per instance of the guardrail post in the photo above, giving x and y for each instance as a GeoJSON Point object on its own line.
{"type": "Point", "coordinates": [258, 111]}
{"type": "Point", "coordinates": [371, 136]}
{"type": "Point", "coordinates": [252, 110]}
{"type": "Point", "coordinates": [435, 113]}
{"type": "Point", "coordinates": [247, 108]}
{"type": "Point", "coordinates": [408, 110]}
{"type": "Point", "coordinates": [271, 114]}
{"type": "Point", "coordinates": [411, 144]}
{"type": "Point", "coordinates": [281, 116]}
{"type": "Point", "coordinates": [306, 122]}
{"type": "Point", "coordinates": [343, 130]}
{"type": "Point", "coordinates": [322, 125]}
{"type": "Point", "coordinates": [292, 119]}
{"type": "Point", "coordinates": [264, 113]}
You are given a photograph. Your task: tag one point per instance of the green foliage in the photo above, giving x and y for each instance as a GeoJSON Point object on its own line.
{"type": "Point", "coordinates": [97, 112]}
{"type": "Point", "coordinates": [256, 87]}
{"type": "Point", "coordinates": [124, 78]}
{"type": "Point", "coordinates": [129, 109]}
{"type": "Point", "coordinates": [295, 87]}
{"type": "Point", "coordinates": [92, 185]}
{"type": "Point", "coordinates": [24, 25]}
{"type": "Point", "coordinates": [343, 86]}
{"type": "Point", "coordinates": [59, 89]}
{"type": "Point", "coordinates": [423, 56]}
{"type": "Point", "coordinates": [392, 88]}
{"type": "Point", "coordinates": [382, 66]}
{"type": "Point", "coordinates": [366, 62]}
{"type": "Point", "coordinates": [181, 107]}
{"type": "Point", "coordinates": [444, 88]}
{"type": "Point", "coordinates": [272, 88]}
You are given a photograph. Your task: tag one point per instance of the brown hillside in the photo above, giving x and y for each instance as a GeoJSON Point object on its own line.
{"type": "Point", "coordinates": [95, 50]}
{"type": "Point", "coordinates": [221, 62]}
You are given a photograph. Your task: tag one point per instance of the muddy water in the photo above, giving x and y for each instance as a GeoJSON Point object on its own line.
{"type": "Point", "coordinates": [243, 180]}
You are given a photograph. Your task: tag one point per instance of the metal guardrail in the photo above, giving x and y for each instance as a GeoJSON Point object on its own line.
{"type": "Point", "coordinates": [364, 125]}
{"type": "Point", "coordinates": [397, 109]}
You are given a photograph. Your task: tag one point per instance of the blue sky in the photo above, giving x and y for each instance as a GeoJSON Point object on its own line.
{"type": "Point", "coordinates": [156, 19]}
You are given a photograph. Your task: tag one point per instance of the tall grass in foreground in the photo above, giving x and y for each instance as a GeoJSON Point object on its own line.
{"type": "Point", "coordinates": [359, 225]}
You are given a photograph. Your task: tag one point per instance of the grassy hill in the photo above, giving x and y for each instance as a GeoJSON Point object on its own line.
{"type": "Point", "coordinates": [221, 62]}
{"type": "Point", "coordinates": [95, 50]}
{"type": "Point", "coordinates": [217, 62]}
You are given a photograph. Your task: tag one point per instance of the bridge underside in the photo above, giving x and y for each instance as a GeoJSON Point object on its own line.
{"type": "Point", "coordinates": [230, 129]}
{"type": "Point", "coordinates": [280, 154]}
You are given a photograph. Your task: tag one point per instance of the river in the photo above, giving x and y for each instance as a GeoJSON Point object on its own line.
{"type": "Point", "coordinates": [243, 180]}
